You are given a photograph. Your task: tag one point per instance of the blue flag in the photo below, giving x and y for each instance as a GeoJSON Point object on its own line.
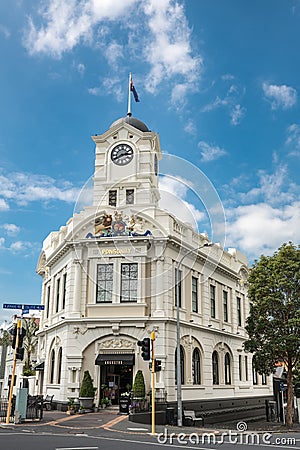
{"type": "Point", "coordinates": [132, 88]}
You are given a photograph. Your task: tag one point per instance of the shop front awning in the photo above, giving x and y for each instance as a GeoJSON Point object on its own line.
{"type": "Point", "coordinates": [106, 359]}
{"type": "Point", "coordinates": [40, 366]}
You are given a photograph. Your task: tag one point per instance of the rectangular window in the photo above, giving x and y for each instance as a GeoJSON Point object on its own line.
{"type": "Point", "coordinates": [129, 196]}
{"type": "Point", "coordinates": [213, 301]}
{"type": "Point", "coordinates": [104, 283]}
{"type": "Point", "coordinates": [64, 291]}
{"type": "Point", "coordinates": [240, 368]}
{"type": "Point", "coordinates": [194, 294]}
{"type": "Point", "coordinates": [225, 306]}
{"type": "Point", "coordinates": [48, 301]}
{"type": "Point", "coordinates": [112, 198]}
{"type": "Point", "coordinates": [239, 311]}
{"type": "Point", "coordinates": [178, 286]}
{"type": "Point", "coordinates": [57, 294]}
{"type": "Point", "coordinates": [246, 367]}
{"type": "Point", "coordinates": [129, 282]}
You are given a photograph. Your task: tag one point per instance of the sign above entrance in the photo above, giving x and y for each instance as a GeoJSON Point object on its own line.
{"type": "Point", "coordinates": [106, 359]}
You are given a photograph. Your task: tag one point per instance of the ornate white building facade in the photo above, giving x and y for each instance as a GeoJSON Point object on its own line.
{"type": "Point", "coordinates": [109, 280]}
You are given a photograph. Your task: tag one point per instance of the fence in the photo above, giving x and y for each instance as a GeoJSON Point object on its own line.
{"type": "Point", "coordinates": [34, 410]}
{"type": "Point", "coordinates": [4, 407]}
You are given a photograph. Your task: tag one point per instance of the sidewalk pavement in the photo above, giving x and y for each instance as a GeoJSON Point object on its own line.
{"type": "Point", "coordinates": [110, 420]}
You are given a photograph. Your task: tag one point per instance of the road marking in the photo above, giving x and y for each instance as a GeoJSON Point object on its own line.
{"type": "Point", "coordinates": [137, 429]}
{"type": "Point", "coordinates": [113, 422]}
{"type": "Point", "coordinates": [77, 448]}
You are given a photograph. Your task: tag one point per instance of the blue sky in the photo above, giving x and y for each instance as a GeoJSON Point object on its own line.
{"type": "Point", "coordinates": [218, 80]}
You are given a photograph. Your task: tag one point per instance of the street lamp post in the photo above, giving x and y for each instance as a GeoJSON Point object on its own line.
{"type": "Point", "coordinates": [178, 365]}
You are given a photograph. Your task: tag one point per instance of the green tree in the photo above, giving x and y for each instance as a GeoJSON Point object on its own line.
{"type": "Point", "coordinates": [30, 342]}
{"type": "Point", "coordinates": [273, 324]}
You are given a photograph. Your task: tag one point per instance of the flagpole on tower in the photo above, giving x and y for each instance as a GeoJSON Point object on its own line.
{"type": "Point", "coordinates": [129, 96]}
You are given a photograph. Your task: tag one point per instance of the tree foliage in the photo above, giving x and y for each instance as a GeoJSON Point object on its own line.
{"type": "Point", "coordinates": [31, 326]}
{"type": "Point", "coordinates": [273, 324]}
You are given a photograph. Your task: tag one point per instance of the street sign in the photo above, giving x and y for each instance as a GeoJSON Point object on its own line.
{"type": "Point", "coordinates": [24, 307]}
{"type": "Point", "coordinates": [12, 306]}
{"type": "Point", "coordinates": [39, 307]}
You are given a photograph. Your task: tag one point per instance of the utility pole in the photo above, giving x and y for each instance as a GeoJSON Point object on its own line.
{"type": "Point", "coordinates": [153, 382]}
{"type": "Point", "coordinates": [19, 323]}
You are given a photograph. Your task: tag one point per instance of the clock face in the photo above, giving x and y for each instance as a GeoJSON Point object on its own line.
{"type": "Point", "coordinates": [121, 154]}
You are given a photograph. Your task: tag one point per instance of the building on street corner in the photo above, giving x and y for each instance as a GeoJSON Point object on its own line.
{"type": "Point", "coordinates": [108, 281]}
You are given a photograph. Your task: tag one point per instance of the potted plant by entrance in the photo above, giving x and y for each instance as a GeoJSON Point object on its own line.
{"type": "Point", "coordinates": [87, 392]}
{"type": "Point", "coordinates": [139, 392]}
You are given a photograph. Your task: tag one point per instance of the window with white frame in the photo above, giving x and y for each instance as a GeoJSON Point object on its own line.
{"type": "Point", "coordinates": [227, 367]}
{"type": "Point", "coordinates": [225, 306]}
{"type": "Point", "coordinates": [215, 367]}
{"type": "Point", "coordinates": [129, 282]}
{"type": "Point", "coordinates": [239, 311]}
{"type": "Point", "coordinates": [194, 294]}
{"type": "Point", "coordinates": [104, 283]}
{"type": "Point", "coordinates": [178, 276]}
{"type": "Point", "coordinates": [196, 366]}
{"type": "Point", "coordinates": [213, 301]}
{"type": "Point", "coordinates": [129, 196]}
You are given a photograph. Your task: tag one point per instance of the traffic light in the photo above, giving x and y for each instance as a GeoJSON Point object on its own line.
{"type": "Point", "coordinates": [13, 332]}
{"type": "Point", "coordinates": [20, 353]}
{"type": "Point", "coordinates": [20, 349]}
{"type": "Point", "coordinates": [146, 352]}
{"type": "Point", "coordinates": [157, 365]}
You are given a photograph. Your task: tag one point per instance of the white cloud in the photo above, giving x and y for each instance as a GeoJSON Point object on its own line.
{"type": "Point", "coordinates": [210, 152]}
{"type": "Point", "coordinates": [173, 193]}
{"type": "Point", "coordinates": [282, 96]}
{"type": "Point", "coordinates": [230, 102]}
{"type": "Point", "coordinates": [157, 31]}
{"type": "Point", "coordinates": [169, 49]}
{"type": "Point", "coordinates": [237, 114]}
{"type": "Point", "coordinates": [11, 229]}
{"type": "Point", "coordinates": [273, 188]}
{"type": "Point", "coordinates": [81, 68]}
{"type": "Point", "coordinates": [260, 228]}
{"type": "Point", "coordinates": [190, 127]}
{"type": "Point", "coordinates": [293, 139]}
{"type": "Point", "coordinates": [2, 242]}
{"type": "Point", "coordinates": [4, 206]}
{"type": "Point", "coordinates": [114, 53]}
{"type": "Point", "coordinates": [67, 24]}
{"type": "Point", "coordinates": [23, 188]}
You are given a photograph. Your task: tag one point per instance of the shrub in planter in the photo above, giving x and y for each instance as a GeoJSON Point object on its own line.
{"type": "Point", "coordinates": [139, 385]}
{"type": "Point", "coordinates": [87, 391]}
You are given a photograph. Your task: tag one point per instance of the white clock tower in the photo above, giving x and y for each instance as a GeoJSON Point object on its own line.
{"type": "Point", "coordinates": [126, 166]}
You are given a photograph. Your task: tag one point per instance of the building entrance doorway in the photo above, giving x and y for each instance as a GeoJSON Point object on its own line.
{"type": "Point", "coordinates": [116, 372]}
{"type": "Point", "coordinates": [115, 380]}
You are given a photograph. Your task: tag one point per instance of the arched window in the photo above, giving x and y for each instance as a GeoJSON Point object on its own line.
{"type": "Point", "coordinates": [59, 361]}
{"type": "Point", "coordinates": [196, 367]}
{"type": "Point", "coordinates": [181, 365]}
{"type": "Point", "coordinates": [215, 367]}
{"type": "Point", "coordinates": [52, 366]}
{"type": "Point", "coordinates": [227, 368]}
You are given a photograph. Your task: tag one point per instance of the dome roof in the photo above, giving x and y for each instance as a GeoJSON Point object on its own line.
{"type": "Point", "coordinates": [136, 123]}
